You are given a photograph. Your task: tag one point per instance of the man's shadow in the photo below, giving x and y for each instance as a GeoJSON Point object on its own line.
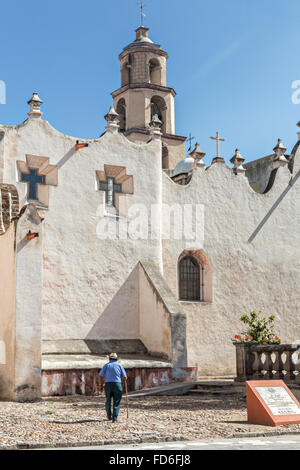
{"type": "Point", "coordinates": [81, 421]}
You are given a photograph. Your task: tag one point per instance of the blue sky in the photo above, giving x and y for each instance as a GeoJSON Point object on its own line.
{"type": "Point", "coordinates": [231, 62]}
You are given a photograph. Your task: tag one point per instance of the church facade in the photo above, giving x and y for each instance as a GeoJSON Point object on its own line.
{"type": "Point", "coordinates": [122, 243]}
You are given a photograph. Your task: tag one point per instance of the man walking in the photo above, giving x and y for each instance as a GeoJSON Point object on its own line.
{"type": "Point", "coordinates": [114, 374]}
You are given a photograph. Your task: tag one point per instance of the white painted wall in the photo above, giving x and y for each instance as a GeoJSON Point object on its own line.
{"type": "Point", "coordinates": [28, 321]}
{"type": "Point", "coordinates": [7, 313]}
{"type": "Point", "coordinates": [155, 331]}
{"type": "Point", "coordinates": [89, 285]}
{"type": "Point", "coordinates": [263, 274]}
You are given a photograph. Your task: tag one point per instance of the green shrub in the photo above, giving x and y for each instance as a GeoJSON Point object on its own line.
{"type": "Point", "coordinates": [259, 329]}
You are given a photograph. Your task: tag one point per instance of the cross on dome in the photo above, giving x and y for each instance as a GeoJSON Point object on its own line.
{"type": "Point", "coordinates": [141, 5]}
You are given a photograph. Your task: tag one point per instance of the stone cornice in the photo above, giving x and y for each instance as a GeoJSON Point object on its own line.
{"type": "Point", "coordinates": [146, 131]}
{"type": "Point", "coordinates": [174, 137]}
{"type": "Point", "coordinates": [143, 47]}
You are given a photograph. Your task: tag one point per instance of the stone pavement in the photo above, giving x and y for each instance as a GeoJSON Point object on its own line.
{"type": "Point", "coordinates": [80, 421]}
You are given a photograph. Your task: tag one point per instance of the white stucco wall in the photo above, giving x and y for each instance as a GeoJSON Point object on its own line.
{"type": "Point", "coordinates": [155, 331]}
{"type": "Point", "coordinates": [28, 321]}
{"type": "Point", "coordinates": [90, 287]}
{"type": "Point", "coordinates": [7, 313]}
{"type": "Point", "coordinates": [262, 274]}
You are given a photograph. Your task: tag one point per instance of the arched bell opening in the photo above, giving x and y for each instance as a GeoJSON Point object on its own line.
{"type": "Point", "coordinates": [155, 72]}
{"type": "Point", "coordinates": [121, 110]}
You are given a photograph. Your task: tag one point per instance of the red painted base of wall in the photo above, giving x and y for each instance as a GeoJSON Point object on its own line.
{"type": "Point", "coordinates": [84, 382]}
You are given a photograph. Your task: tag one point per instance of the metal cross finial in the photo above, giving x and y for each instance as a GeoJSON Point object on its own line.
{"type": "Point", "coordinates": [218, 139]}
{"type": "Point", "coordinates": [190, 140]}
{"type": "Point", "coordinates": [141, 4]}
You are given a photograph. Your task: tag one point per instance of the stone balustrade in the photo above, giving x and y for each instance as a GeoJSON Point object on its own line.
{"type": "Point", "coordinates": [267, 362]}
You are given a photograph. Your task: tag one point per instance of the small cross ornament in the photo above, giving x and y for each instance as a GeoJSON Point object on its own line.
{"type": "Point", "coordinates": [190, 140]}
{"type": "Point", "coordinates": [141, 4]}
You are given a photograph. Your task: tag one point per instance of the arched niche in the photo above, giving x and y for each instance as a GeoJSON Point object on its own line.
{"type": "Point", "coordinates": [154, 72]}
{"type": "Point", "coordinates": [121, 110]}
{"type": "Point", "coordinates": [158, 106]}
{"type": "Point", "coordinates": [126, 71]}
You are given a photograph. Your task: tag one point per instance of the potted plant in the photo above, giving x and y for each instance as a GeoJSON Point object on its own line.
{"type": "Point", "coordinates": [259, 331]}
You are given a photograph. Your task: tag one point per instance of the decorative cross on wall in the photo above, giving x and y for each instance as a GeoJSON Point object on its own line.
{"type": "Point", "coordinates": [110, 188]}
{"type": "Point", "coordinates": [38, 174]}
{"type": "Point", "coordinates": [32, 179]}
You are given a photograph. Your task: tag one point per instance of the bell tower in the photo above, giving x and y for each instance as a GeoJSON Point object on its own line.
{"type": "Point", "coordinates": [144, 94]}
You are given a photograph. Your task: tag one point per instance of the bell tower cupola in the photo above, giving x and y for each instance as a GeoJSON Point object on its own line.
{"type": "Point", "coordinates": [143, 61]}
{"type": "Point", "coordinates": [144, 93]}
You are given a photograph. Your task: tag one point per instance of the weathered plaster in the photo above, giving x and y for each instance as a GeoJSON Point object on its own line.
{"type": "Point", "coordinates": [261, 274]}
{"type": "Point", "coordinates": [163, 322]}
{"type": "Point", "coordinates": [76, 264]}
{"type": "Point", "coordinates": [29, 277]}
{"type": "Point", "coordinates": [94, 290]}
{"type": "Point", "coordinates": [7, 312]}
{"type": "Point", "coordinates": [85, 382]}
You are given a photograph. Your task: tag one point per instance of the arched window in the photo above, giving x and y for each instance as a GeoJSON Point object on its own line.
{"type": "Point", "coordinates": [155, 72]}
{"type": "Point", "coordinates": [121, 110]}
{"type": "Point", "coordinates": [190, 279]}
{"type": "Point", "coordinates": [195, 276]}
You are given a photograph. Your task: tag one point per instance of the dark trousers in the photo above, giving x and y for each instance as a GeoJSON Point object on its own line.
{"type": "Point", "coordinates": [113, 391]}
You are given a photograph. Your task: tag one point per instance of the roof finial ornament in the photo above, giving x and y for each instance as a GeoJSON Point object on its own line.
{"type": "Point", "coordinates": [237, 160]}
{"type": "Point", "coordinates": [112, 119]}
{"type": "Point", "coordinates": [298, 133]}
{"type": "Point", "coordinates": [35, 103]}
{"type": "Point", "coordinates": [197, 154]}
{"type": "Point", "coordinates": [141, 4]}
{"type": "Point", "coordinates": [279, 154]}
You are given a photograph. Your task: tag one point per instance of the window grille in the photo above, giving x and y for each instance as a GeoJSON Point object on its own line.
{"type": "Point", "coordinates": [190, 280]}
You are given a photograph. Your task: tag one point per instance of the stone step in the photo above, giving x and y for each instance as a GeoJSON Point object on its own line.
{"type": "Point", "coordinates": [210, 378]}
{"type": "Point", "coordinates": [212, 391]}
{"type": "Point", "coordinates": [215, 384]}
{"type": "Point", "coordinates": [178, 388]}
